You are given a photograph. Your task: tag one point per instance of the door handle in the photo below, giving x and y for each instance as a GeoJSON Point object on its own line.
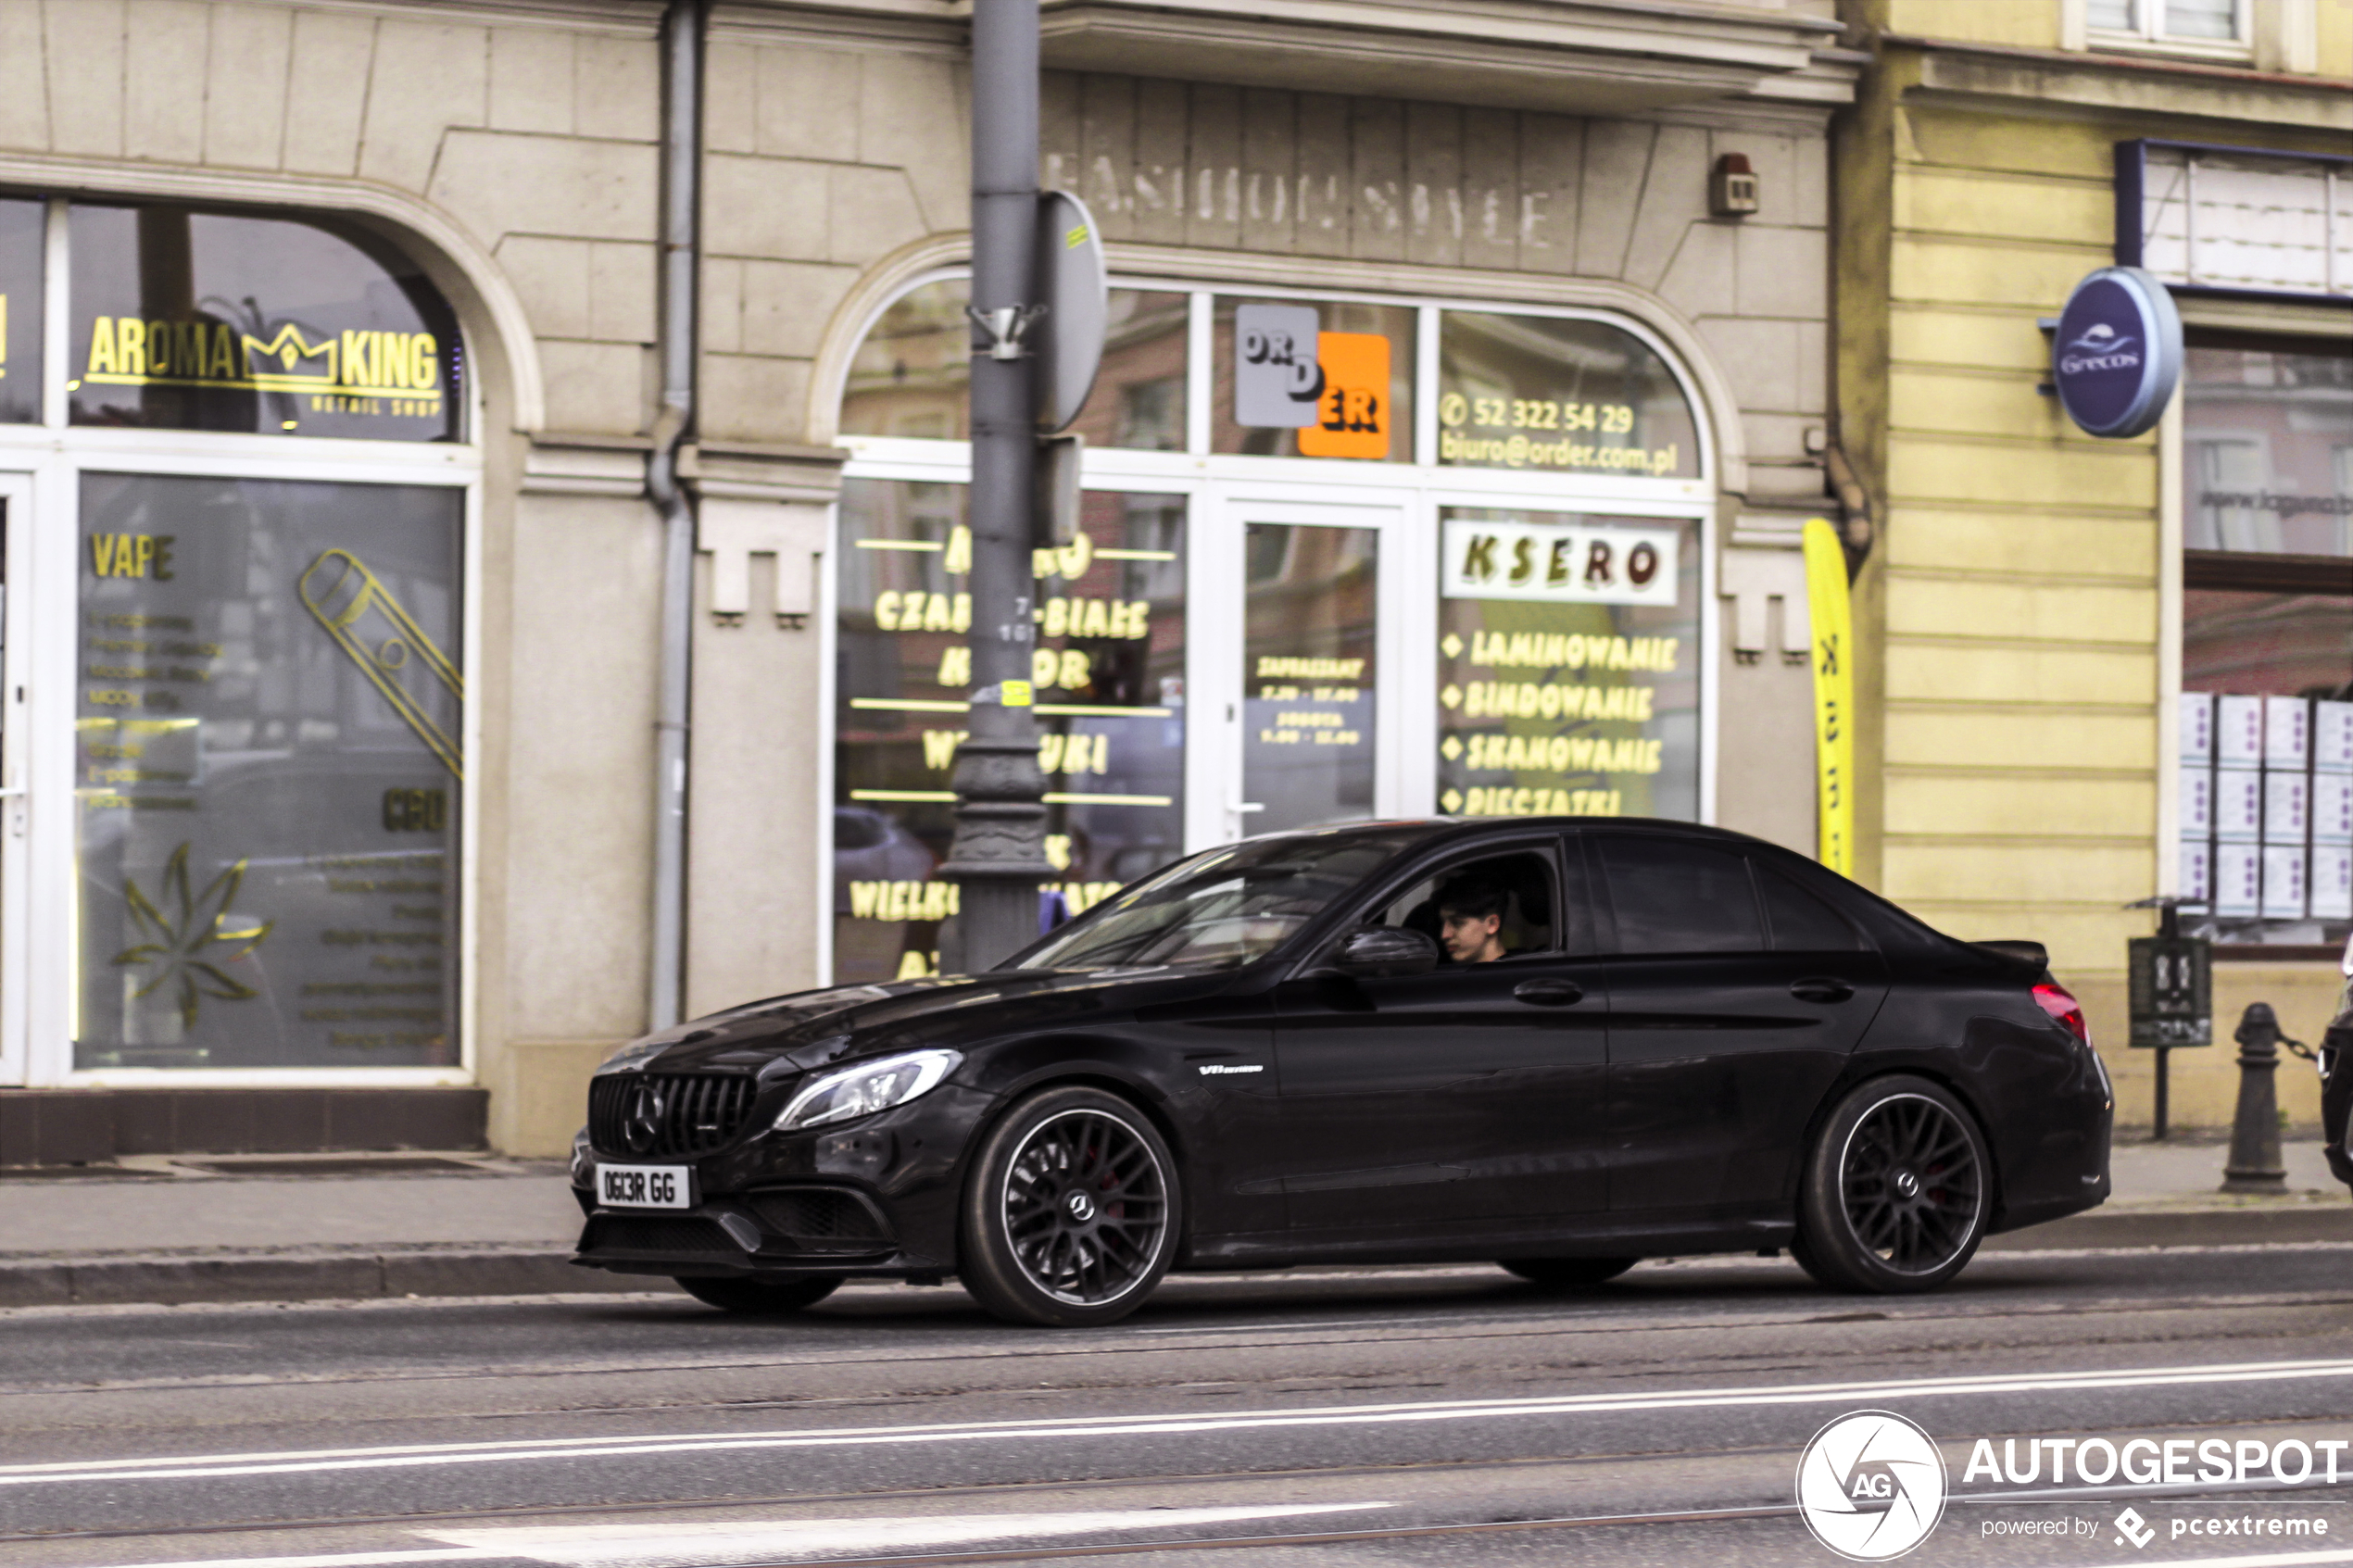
{"type": "Point", "coordinates": [1821, 988]}
{"type": "Point", "coordinates": [1549, 993]}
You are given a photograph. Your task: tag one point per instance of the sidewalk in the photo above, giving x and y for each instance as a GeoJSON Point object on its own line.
{"type": "Point", "coordinates": [244, 1228]}
{"type": "Point", "coordinates": [237, 1228]}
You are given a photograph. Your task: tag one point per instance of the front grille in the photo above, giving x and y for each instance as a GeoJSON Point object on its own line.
{"type": "Point", "coordinates": [821, 1217]}
{"type": "Point", "coordinates": [685, 1237]}
{"type": "Point", "coordinates": [649, 1115]}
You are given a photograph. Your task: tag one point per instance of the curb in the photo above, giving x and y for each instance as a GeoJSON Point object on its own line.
{"type": "Point", "coordinates": [2183, 1227]}
{"type": "Point", "coordinates": [300, 1276]}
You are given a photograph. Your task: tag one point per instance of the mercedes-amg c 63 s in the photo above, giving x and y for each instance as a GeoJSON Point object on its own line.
{"type": "Point", "coordinates": [1562, 1045]}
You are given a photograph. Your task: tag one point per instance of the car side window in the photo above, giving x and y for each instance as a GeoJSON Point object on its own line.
{"type": "Point", "coordinates": [1802, 922]}
{"type": "Point", "coordinates": [1513, 890]}
{"type": "Point", "coordinates": [1672, 896]}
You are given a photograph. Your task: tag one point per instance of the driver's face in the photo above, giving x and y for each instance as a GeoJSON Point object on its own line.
{"type": "Point", "coordinates": [1471, 938]}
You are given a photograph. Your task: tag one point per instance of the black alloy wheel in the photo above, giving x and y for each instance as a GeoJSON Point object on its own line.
{"type": "Point", "coordinates": [1896, 1190]}
{"type": "Point", "coordinates": [759, 1298]}
{"type": "Point", "coordinates": [1071, 1215]}
{"type": "Point", "coordinates": [1568, 1273]}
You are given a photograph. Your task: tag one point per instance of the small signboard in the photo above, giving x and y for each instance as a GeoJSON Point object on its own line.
{"type": "Point", "coordinates": [1278, 379]}
{"type": "Point", "coordinates": [1069, 337]}
{"type": "Point", "coordinates": [2171, 991]}
{"type": "Point", "coordinates": [2116, 355]}
{"type": "Point", "coordinates": [1351, 414]}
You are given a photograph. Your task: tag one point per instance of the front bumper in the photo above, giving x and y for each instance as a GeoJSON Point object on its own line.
{"type": "Point", "coordinates": [877, 1197]}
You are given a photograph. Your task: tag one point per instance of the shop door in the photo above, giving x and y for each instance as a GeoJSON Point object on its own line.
{"type": "Point", "coordinates": [1301, 665]}
{"type": "Point", "coordinates": [15, 516]}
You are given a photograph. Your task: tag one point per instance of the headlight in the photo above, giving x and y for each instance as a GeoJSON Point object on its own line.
{"type": "Point", "coordinates": [867, 1088]}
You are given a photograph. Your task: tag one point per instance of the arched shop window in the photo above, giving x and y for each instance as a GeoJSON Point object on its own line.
{"type": "Point", "coordinates": [268, 723]}
{"type": "Point", "coordinates": [1452, 565]}
{"type": "Point", "coordinates": [2267, 640]}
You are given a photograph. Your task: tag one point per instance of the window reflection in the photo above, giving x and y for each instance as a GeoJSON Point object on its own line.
{"type": "Point", "coordinates": [1546, 394]}
{"type": "Point", "coordinates": [1568, 665]}
{"type": "Point", "coordinates": [269, 774]}
{"type": "Point", "coordinates": [1309, 673]}
{"type": "Point", "coordinates": [910, 378]}
{"type": "Point", "coordinates": [21, 310]}
{"type": "Point", "coordinates": [186, 319]}
{"type": "Point", "coordinates": [2268, 437]}
{"type": "Point", "coordinates": [1109, 673]}
{"type": "Point", "coordinates": [1393, 324]}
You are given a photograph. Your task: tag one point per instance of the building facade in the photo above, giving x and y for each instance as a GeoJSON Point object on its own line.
{"type": "Point", "coordinates": [332, 375]}
{"type": "Point", "coordinates": [2093, 671]}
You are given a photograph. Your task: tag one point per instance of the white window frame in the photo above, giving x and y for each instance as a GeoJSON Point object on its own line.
{"type": "Point", "coordinates": [39, 995]}
{"type": "Point", "coordinates": [2148, 32]}
{"type": "Point", "coordinates": [1220, 487]}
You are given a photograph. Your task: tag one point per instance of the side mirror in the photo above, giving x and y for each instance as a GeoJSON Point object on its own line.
{"type": "Point", "coordinates": [1380, 950]}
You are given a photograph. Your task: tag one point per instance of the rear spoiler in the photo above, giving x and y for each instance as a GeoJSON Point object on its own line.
{"type": "Point", "coordinates": [2029, 960]}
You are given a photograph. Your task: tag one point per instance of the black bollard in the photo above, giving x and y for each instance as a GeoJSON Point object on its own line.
{"type": "Point", "coordinates": [2255, 1165]}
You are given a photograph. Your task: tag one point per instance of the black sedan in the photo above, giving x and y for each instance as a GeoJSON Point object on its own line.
{"type": "Point", "coordinates": [1557, 1044]}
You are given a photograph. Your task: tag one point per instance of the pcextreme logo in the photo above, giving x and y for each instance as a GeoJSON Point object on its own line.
{"type": "Point", "coordinates": [1870, 1485]}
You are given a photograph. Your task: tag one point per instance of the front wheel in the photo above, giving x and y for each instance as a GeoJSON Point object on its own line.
{"type": "Point", "coordinates": [1568, 1273]}
{"type": "Point", "coordinates": [1896, 1190]}
{"type": "Point", "coordinates": [759, 1298]}
{"type": "Point", "coordinates": [1071, 1215]}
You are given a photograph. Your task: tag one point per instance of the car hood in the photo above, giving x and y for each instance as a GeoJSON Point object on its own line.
{"type": "Point", "coordinates": [810, 1029]}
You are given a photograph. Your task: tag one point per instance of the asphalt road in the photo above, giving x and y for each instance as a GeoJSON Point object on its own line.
{"type": "Point", "coordinates": [1421, 1416]}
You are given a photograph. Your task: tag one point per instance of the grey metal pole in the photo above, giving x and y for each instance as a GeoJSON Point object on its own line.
{"type": "Point", "coordinates": [2255, 1165]}
{"type": "Point", "coordinates": [681, 38]}
{"type": "Point", "coordinates": [998, 855]}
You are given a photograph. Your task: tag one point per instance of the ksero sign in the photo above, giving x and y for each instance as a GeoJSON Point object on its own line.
{"type": "Point", "coordinates": [2117, 355]}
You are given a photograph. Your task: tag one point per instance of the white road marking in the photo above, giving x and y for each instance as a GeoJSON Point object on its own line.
{"type": "Point", "coordinates": [723, 1543]}
{"type": "Point", "coordinates": [329, 1559]}
{"type": "Point", "coordinates": [409, 1456]}
{"type": "Point", "coordinates": [691, 1546]}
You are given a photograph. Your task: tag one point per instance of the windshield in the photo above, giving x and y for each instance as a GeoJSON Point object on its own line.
{"type": "Point", "coordinates": [1221, 909]}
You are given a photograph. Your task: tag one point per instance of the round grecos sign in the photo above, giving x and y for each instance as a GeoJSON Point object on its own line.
{"type": "Point", "coordinates": [2117, 355]}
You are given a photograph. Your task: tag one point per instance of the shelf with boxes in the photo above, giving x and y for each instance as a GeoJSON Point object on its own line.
{"type": "Point", "coordinates": [2267, 815]}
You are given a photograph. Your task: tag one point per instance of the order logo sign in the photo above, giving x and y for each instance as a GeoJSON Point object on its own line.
{"type": "Point", "coordinates": [2116, 355]}
{"type": "Point", "coordinates": [1351, 414]}
{"type": "Point", "coordinates": [1331, 387]}
{"type": "Point", "coordinates": [1870, 1485]}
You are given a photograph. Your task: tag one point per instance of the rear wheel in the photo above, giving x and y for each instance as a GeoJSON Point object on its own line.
{"type": "Point", "coordinates": [1072, 1214]}
{"type": "Point", "coordinates": [1568, 1273]}
{"type": "Point", "coordinates": [759, 1298]}
{"type": "Point", "coordinates": [1896, 1190]}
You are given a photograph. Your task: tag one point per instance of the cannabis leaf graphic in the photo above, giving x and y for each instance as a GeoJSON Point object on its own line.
{"type": "Point", "coordinates": [177, 950]}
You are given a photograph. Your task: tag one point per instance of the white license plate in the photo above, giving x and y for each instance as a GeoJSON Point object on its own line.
{"type": "Point", "coordinates": [645, 1186]}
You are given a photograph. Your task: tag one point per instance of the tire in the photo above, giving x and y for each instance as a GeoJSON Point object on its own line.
{"type": "Point", "coordinates": [759, 1298]}
{"type": "Point", "coordinates": [1568, 1273]}
{"type": "Point", "coordinates": [1896, 1190]}
{"type": "Point", "coordinates": [1072, 1212]}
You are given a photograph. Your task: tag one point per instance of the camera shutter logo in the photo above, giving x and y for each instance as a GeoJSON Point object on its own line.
{"type": "Point", "coordinates": [1870, 1485]}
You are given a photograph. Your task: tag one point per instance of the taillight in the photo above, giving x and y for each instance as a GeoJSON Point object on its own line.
{"type": "Point", "coordinates": [2060, 1004]}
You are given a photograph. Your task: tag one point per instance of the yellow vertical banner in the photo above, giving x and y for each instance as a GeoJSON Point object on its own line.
{"type": "Point", "coordinates": [1833, 622]}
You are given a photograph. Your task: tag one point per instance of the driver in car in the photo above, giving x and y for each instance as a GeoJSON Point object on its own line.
{"type": "Point", "coordinates": [1470, 912]}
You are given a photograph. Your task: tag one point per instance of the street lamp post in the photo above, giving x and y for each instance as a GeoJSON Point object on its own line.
{"type": "Point", "coordinates": [998, 856]}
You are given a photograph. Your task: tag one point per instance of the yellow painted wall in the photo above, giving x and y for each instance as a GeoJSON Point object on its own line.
{"type": "Point", "coordinates": [2031, 22]}
{"type": "Point", "coordinates": [2009, 615]}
